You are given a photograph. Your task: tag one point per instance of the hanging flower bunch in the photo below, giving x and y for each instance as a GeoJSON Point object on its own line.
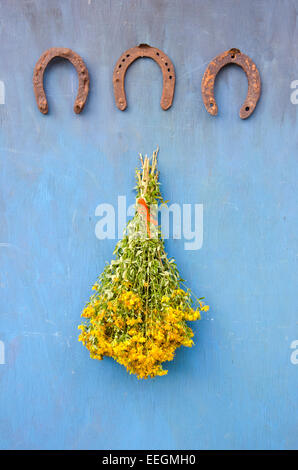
{"type": "Point", "coordinates": [139, 310]}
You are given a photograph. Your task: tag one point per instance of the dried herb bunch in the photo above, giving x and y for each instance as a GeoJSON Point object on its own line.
{"type": "Point", "coordinates": [139, 310]}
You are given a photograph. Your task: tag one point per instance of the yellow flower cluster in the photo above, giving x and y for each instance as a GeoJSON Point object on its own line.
{"type": "Point", "coordinates": [130, 300]}
{"type": "Point", "coordinates": [137, 337]}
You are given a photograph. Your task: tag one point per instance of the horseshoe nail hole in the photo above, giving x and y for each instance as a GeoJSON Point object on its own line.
{"type": "Point", "coordinates": [166, 63]}
{"type": "Point", "coordinates": [157, 53]}
{"type": "Point", "coordinates": [169, 70]}
{"type": "Point", "coordinates": [211, 105]}
{"type": "Point", "coordinates": [170, 77]}
{"type": "Point", "coordinates": [123, 60]}
{"type": "Point", "coordinates": [233, 56]}
{"type": "Point", "coordinates": [119, 66]}
{"type": "Point", "coordinates": [247, 108]}
{"type": "Point", "coordinates": [127, 55]}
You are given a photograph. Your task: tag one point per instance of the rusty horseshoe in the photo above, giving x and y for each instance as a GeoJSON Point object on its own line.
{"type": "Point", "coordinates": [80, 67]}
{"type": "Point", "coordinates": [128, 57]}
{"type": "Point", "coordinates": [233, 56]}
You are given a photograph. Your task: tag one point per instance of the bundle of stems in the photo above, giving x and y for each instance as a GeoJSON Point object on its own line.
{"type": "Point", "coordinates": [138, 314]}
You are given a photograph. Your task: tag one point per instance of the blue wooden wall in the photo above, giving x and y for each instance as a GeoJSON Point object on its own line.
{"type": "Point", "coordinates": [237, 388]}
